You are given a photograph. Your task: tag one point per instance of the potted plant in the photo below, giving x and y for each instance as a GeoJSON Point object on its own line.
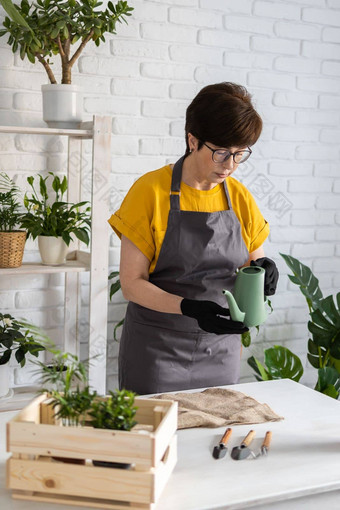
{"type": "Point", "coordinates": [54, 222]}
{"type": "Point", "coordinates": [50, 27]}
{"type": "Point", "coordinates": [19, 338]}
{"type": "Point", "coordinates": [12, 240]}
{"type": "Point", "coordinates": [323, 345]}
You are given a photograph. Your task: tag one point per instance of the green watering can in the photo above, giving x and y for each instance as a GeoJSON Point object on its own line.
{"type": "Point", "coordinates": [247, 302]}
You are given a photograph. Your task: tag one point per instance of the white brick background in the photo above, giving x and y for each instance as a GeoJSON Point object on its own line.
{"type": "Point", "coordinates": [287, 53]}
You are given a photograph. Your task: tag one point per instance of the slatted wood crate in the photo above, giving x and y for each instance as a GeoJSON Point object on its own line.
{"type": "Point", "coordinates": [36, 440]}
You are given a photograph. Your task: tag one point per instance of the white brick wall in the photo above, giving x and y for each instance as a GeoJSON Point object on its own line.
{"type": "Point", "coordinates": [286, 53]}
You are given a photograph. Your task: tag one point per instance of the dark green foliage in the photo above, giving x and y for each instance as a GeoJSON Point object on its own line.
{"type": "Point", "coordinates": [115, 412]}
{"type": "Point", "coordinates": [10, 215]}
{"type": "Point", "coordinates": [324, 325]}
{"type": "Point", "coordinates": [280, 363]}
{"type": "Point", "coordinates": [20, 338]}
{"type": "Point", "coordinates": [39, 30]}
{"type": "Point", "coordinates": [115, 287]}
{"type": "Point", "coordinates": [55, 218]}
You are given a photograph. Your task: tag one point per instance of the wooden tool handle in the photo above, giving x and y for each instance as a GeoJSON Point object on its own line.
{"type": "Point", "coordinates": [249, 437]}
{"type": "Point", "coordinates": [267, 440]}
{"type": "Point", "coordinates": [226, 436]}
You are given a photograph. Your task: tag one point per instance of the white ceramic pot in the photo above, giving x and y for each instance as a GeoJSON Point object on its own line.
{"type": "Point", "coordinates": [4, 380]}
{"type": "Point", "coordinates": [62, 105]}
{"type": "Point", "coordinates": [52, 250]}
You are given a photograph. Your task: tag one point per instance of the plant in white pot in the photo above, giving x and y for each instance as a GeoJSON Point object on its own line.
{"type": "Point", "coordinates": [19, 338]}
{"type": "Point", "coordinates": [12, 239]}
{"type": "Point", "coordinates": [42, 29]}
{"type": "Point", "coordinates": [54, 221]}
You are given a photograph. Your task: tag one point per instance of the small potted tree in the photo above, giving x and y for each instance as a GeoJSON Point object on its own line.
{"type": "Point", "coordinates": [12, 240]}
{"type": "Point", "coordinates": [42, 29]}
{"type": "Point", "coordinates": [54, 222]}
{"type": "Point", "coordinates": [19, 338]}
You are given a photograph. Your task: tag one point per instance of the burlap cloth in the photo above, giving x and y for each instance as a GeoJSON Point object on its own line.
{"type": "Point", "coordinates": [217, 407]}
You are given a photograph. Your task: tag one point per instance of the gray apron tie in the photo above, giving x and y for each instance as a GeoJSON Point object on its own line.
{"type": "Point", "coordinates": [162, 352]}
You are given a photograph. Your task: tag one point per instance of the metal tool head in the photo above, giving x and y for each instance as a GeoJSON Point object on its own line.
{"type": "Point", "coordinates": [243, 451]}
{"type": "Point", "coordinates": [220, 451]}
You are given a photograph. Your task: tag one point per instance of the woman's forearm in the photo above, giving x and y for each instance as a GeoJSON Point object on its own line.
{"type": "Point", "coordinates": [147, 294]}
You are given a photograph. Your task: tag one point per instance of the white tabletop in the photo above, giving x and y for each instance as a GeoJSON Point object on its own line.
{"type": "Point", "coordinates": [301, 471]}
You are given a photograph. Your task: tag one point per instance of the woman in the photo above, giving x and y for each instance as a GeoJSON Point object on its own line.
{"type": "Point", "coordinates": [184, 231]}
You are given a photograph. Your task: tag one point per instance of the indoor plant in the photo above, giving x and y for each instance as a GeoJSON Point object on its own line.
{"type": "Point", "coordinates": [19, 338]}
{"type": "Point", "coordinates": [12, 240]}
{"type": "Point", "coordinates": [54, 222]}
{"type": "Point", "coordinates": [50, 27]}
{"type": "Point", "coordinates": [324, 344]}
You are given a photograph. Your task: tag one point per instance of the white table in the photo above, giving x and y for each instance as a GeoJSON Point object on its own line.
{"type": "Point", "coordinates": [302, 470]}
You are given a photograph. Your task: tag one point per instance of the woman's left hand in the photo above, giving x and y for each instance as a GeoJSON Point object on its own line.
{"type": "Point", "coordinates": [271, 276]}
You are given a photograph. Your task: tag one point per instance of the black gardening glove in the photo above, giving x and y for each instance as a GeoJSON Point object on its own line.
{"type": "Point", "coordinates": [271, 276]}
{"type": "Point", "coordinates": [207, 315]}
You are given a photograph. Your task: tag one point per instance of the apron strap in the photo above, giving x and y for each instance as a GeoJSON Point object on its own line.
{"type": "Point", "coordinates": [176, 186]}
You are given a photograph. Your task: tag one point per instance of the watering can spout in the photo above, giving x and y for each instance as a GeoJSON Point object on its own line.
{"type": "Point", "coordinates": [235, 313]}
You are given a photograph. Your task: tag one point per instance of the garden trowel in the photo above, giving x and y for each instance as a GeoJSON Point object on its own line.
{"type": "Point", "coordinates": [220, 450]}
{"type": "Point", "coordinates": [243, 451]}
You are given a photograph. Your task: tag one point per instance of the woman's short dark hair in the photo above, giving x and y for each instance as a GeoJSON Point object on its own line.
{"type": "Point", "coordinates": [223, 114]}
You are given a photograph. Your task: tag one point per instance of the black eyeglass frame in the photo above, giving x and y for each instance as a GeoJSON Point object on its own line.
{"type": "Point", "coordinates": [229, 154]}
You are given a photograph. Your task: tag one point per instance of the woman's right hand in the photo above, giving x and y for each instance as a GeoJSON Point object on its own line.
{"type": "Point", "coordinates": [208, 315]}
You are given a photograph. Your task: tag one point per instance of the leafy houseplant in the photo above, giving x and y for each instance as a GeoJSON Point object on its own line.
{"type": "Point", "coordinates": [42, 29]}
{"type": "Point", "coordinates": [12, 240]}
{"type": "Point", "coordinates": [50, 27]}
{"type": "Point", "coordinates": [19, 338]}
{"type": "Point", "coordinates": [57, 218]}
{"type": "Point", "coordinates": [324, 344]}
{"type": "Point", "coordinates": [115, 412]}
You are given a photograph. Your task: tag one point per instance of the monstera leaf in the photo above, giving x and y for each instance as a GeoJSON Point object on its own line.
{"type": "Point", "coordinates": [325, 327]}
{"type": "Point", "coordinates": [305, 279]}
{"type": "Point", "coordinates": [261, 374]}
{"type": "Point", "coordinates": [328, 382]}
{"type": "Point", "coordinates": [280, 362]}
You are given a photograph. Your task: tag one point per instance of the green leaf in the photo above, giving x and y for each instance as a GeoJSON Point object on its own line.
{"type": "Point", "coordinates": [328, 377]}
{"type": "Point", "coordinates": [305, 279]}
{"type": "Point", "coordinates": [14, 14]}
{"type": "Point", "coordinates": [282, 363]}
{"type": "Point", "coordinates": [118, 325]}
{"type": "Point", "coordinates": [115, 287]}
{"type": "Point", "coordinates": [259, 369]}
{"type": "Point", "coordinates": [82, 235]}
{"type": "Point", "coordinates": [325, 325]}
{"type": "Point", "coordinates": [245, 338]}
{"type": "Point", "coordinates": [20, 354]}
{"type": "Point", "coordinates": [5, 357]}
{"type": "Point", "coordinates": [113, 274]}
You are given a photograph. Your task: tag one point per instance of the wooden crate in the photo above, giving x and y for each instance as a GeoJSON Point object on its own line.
{"type": "Point", "coordinates": [35, 439]}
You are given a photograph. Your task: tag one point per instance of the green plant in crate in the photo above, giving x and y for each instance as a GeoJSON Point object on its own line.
{"type": "Point", "coordinates": [324, 326]}
{"type": "Point", "coordinates": [116, 412]}
{"type": "Point", "coordinates": [48, 216]}
{"type": "Point", "coordinates": [42, 29]}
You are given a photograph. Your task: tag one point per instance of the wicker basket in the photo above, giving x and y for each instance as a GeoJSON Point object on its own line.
{"type": "Point", "coordinates": [12, 246]}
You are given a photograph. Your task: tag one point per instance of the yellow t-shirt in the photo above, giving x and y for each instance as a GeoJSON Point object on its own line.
{"type": "Point", "coordinates": [143, 214]}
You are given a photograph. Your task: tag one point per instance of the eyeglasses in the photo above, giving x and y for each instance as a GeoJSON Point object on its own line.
{"type": "Point", "coordinates": [221, 155]}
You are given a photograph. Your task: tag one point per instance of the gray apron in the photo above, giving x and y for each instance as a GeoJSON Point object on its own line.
{"type": "Point", "coordinates": [162, 352]}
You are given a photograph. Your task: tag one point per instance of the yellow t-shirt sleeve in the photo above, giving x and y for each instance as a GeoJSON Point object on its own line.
{"type": "Point", "coordinates": [134, 218]}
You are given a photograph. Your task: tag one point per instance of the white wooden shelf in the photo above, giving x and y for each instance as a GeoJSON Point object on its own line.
{"type": "Point", "coordinates": [97, 260]}
{"type": "Point", "coordinates": [77, 133]}
{"type": "Point", "coordinates": [77, 262]}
